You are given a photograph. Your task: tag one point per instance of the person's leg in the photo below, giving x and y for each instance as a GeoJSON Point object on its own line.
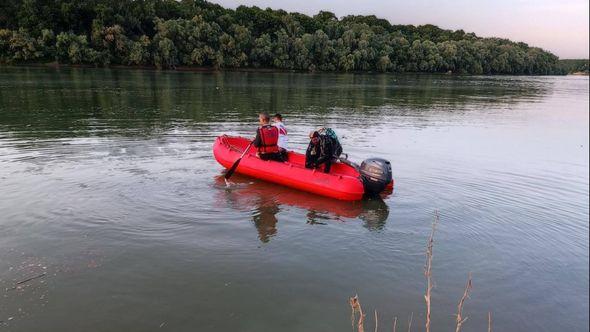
{"type": "Point", "coordinates": [284, 155]}
{"type": "Point", "coordinates": [271, 156]}
{"type": "Point", "coordinates": [277, 157]}
{"type": "Point", "coordinates": [328, 166]}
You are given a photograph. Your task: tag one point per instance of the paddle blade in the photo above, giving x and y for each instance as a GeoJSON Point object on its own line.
{"type": "Point", "coordinates": [232, 169]}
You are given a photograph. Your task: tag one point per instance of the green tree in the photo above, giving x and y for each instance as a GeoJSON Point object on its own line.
{"type": "Point", "coordinates": [112, 42]}
{"type": "Point", "coordinates": [383, 64]}
{"type": "Point", "coordinates": [74, 49]}
{"type": "Point", "coordinates": [139, 53]}
{"type": "Point", "coordinates": [262, 52]}
{"type": "Point", "coordinates": [281, 50]}
{"type": "Point", "coordinates": [23, 47]}
{"type": "Point", "coordinates": [170, 33]}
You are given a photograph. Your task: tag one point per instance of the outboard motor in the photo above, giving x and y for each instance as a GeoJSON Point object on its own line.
{"type": "Point", "coordinates": [376, 175]}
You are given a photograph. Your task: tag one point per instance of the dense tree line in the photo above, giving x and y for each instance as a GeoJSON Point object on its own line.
{"type": "Point", "coordinates": [169, 33]}
{"type": "Point", "coordinates": [578, 66]}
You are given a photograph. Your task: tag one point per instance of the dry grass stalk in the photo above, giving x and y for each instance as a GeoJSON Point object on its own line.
{"type": "Point", "coordinates": [352, 302]}
{"type": "Point", "coordinates": [355, 306]}
{"type": "Point", "coordinates": [361, 327]}
{"type": "Point", "coordinates": [460, 319]}
{"type": "Point", "coordinates": [376, 321]}
{"type": "Point", "coordinates": [428, 270]}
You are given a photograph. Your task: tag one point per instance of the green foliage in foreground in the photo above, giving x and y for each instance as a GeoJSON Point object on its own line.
{"type": "Point", "coordinates": [574, 66]}
{"type": "Point", "coordinates": [168, 33]}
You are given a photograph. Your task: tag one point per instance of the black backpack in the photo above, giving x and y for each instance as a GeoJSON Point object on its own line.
{"type": "Point", "coordinates": [336, 147]}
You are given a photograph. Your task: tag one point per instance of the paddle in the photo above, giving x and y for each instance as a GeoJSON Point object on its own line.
{"type": "Point", "coordinates": [233, 167]}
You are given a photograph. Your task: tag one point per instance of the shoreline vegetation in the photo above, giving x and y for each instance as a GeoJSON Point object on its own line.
{"type": "Point", "coordinates": [203, 69]}
{"type": "Point", "coordinates": [197, 35]}
{"type": "Point", "coordinates": [358, 316]}
{"type": "Point", "coordinates": [575, 66]}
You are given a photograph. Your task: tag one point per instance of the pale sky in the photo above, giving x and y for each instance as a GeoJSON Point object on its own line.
{"type": "Point", "coordinates": [559, 26]}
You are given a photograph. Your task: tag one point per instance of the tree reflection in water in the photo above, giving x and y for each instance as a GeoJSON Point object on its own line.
{"type": "Point", "coordinates": [264, 200]}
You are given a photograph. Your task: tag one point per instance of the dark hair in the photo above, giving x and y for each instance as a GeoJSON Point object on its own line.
{"type": "Point", "coordinates": [279, 116]}
{"type": "Point", "coordinates": [265, 117]}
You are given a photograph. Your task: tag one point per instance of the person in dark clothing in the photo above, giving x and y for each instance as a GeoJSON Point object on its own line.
{"type": "Point", "coordinates": [266, 141]}
{"type": "Point", "coordinates": [319, 151]}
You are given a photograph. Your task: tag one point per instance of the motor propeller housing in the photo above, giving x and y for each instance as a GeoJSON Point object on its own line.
{"type": "Point", "coordinates": [375, 174]}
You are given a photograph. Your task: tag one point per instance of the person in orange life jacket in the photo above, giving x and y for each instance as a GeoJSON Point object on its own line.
{"type": "Point", "coordinates": [267, 138]}
{"type": "Point", "coordinates": [283, 142]}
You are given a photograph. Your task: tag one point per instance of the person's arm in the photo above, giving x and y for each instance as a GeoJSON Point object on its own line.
{"type": "Point", "coordinates": [309, 160]}
{"type": "Point", "coordinates": [257, 141]}
{"type": "Point", "coordinates": [322, 160]}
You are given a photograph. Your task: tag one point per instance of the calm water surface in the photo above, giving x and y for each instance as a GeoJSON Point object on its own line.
{"type": "Point", "coordinates": [109, 187]}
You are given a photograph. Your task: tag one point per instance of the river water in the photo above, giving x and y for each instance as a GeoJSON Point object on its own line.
{"type": "Point", "coordinates": [111, 200]}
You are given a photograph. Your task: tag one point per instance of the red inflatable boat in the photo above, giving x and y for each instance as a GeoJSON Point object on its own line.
{"type": "Point", "coordinates": [344, 181]}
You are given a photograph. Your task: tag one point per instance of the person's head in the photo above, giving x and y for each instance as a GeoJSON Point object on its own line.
{"type": "Point", "coordinates": [277, 118]}
{"type": "Point", "coordinates": [314, 137]}
{"type": "Point", "coordinates": [264, 118]}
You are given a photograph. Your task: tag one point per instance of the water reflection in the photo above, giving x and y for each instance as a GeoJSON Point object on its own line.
{"type": "Point", "coordinates": [264, 216]}
{"type": "Point", "coordinates": [72, 102]}
{"type": "Point", "coordinates": [374, 213]}
{"type": "Point", "coordinates": [265, 201]}
{"type": "Point", "coordinates": [121, 161]}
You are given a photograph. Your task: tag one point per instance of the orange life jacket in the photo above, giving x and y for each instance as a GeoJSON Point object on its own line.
{"type": "Point", "coordinates": [269, 137]}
